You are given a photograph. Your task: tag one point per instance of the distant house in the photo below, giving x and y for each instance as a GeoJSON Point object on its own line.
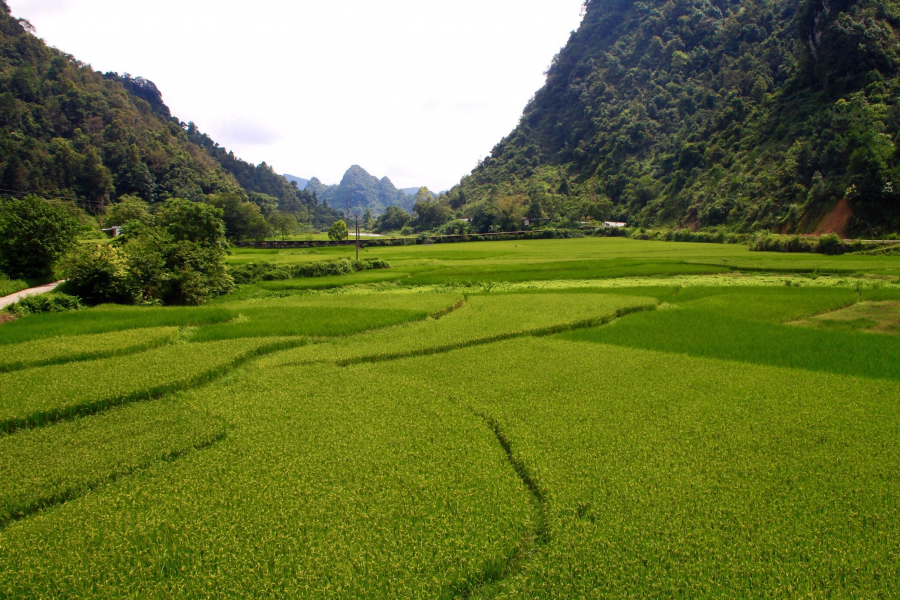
{"type": "Point", "coordinates": [615, 224]}
{"type": "Point", "coordinates": [113, 232]}
{"type": "Point", "coordinates": [529, 221]}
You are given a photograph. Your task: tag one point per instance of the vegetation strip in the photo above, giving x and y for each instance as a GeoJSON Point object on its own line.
{"type": "Point", "coordinates": [450, 309]}
{"type": "Point", "coordinates": [74, 493]}
{"type": "Point", "coordinates": [500, 337]}
{"type": "Point", "coordinates": [48, 417]}
{"type": "Point", "coordinates": [538, 534]}
{"type": "Point", "coordinates": [161, 339]}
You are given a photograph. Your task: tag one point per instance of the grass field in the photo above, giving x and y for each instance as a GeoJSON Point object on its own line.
{"type": "Point", "coordinates": [582, 418]}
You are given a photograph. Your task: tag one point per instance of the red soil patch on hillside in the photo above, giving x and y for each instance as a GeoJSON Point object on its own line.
{"type": "Point", "coordinates": [836, 221]}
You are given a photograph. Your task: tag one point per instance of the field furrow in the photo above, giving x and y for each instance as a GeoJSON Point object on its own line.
{"type": "Point", "coordinates": [484, 319]}
{"type": "Point", "coordinates": [37, 397]}
{"type": "Point", "coordinates": [63, 349]}
{"type": "Point", "coordinates": [42, 468]}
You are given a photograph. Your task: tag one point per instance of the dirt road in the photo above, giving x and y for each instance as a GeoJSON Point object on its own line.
{"type": "Point", "coordinates": [13, 298]}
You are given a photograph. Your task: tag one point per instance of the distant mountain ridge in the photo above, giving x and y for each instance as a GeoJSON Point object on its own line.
{"type": "Point", "coordinates": [359, 190]}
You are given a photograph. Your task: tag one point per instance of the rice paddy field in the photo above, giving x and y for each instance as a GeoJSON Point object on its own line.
{"type": "Point", "coordinates": [591, 418]}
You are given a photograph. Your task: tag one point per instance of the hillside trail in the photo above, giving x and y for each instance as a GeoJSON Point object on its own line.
{"type": "Point", "coordinates": [41, 289]}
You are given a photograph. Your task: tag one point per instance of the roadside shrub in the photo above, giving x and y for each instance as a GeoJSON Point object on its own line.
{"type": "Point", "coordinates": [98, 275]}
{"type": "Point", "coordinates": [11, 286]}
{"type": "Point", "coordinates": [53, 302]}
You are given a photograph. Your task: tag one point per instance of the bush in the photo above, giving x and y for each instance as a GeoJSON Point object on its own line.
{"type": "Point", "coordinates": [53, 302]}
{"type": "Point", "coordinates": [338, 231]}
{"type": "Point", "coordinates": [827, 244]}
{"type": "Point", "coordinates": [253, 272]}
{"type": "Point", "coordinates": [8, 286]}
{"type": "Point", "coordinates": [163, 270]}
{"type": "Point", "coordinates": [34, 234]}
{"type": "Point", "coordinates": [98, 275]}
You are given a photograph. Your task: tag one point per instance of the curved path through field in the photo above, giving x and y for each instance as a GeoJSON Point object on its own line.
{"type": "Point", "coordinates": [41, 289]}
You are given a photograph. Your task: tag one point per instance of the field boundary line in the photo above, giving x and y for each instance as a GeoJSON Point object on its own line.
{"type": "Point", "coordinates": [449, 310]}
{"type": "Point", "coordinates": [502, 337]}
{"type": "Point", "coordinates": [86, 356]}
{"type": "Point", "coordinates": [83, 490]}
{"type": "Point", "coordinates": [537, 536]}
{"type": "Point", "coordinates": [50, 417]}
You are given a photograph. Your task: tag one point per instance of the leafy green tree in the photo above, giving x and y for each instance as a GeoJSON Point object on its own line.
{"type": "Point", "coordinates": [284, 224]}
{"type": "Point", "coordinates": [194, 222]}
{"type": "Point", "coordinates": [98, 275]}
{"type": "Point", "coordinates": [129, 208]}
{"type": "Point", "coordinates": [243, 220]}
{"type": "Point", "coordinates": [34, 234]}
{"type": "Point", "coordinates": [338, 231]}
{"type": "Point", "coordinates": [368, 221]}
{"type": "Point", "coordinates": [483, 216]}
{"type": "Point", "coordinates": [174, 262]}
{"type": "Point", "coordinates": [430, 213]}
{"type": "Point", "coordinates": [161, 269]}
{"type": "Point", "coordinates": [393, 219]}
{"type": "Point", "coordinates": [268, 205]}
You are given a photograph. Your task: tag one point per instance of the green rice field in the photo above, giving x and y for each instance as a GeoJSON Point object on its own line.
{"type": "Point", "coordinates": [587, 418]}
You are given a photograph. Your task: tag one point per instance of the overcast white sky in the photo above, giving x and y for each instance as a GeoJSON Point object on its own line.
{"type": "Point", "coordinates": [417, 90]}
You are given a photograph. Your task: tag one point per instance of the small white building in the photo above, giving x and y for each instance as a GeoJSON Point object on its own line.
{"type": "Point", "coordinates": [112, 231]}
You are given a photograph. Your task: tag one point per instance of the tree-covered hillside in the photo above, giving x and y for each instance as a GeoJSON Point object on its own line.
{"type": "Point", "coordinates": [71, 133]}
{"type": "Point", "coordinates": [774, 114]}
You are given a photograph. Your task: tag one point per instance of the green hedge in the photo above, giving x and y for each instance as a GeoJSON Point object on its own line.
{"type": "Point", "coordinates": [827, 244]}
{"type": "Point", "coordinates": [253, 272]}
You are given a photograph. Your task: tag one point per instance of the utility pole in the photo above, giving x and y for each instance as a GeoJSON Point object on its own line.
{"type": "Point", "coordinates": [357, 238]}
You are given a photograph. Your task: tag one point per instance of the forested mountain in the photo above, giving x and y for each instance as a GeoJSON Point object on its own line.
{"type": "Point", "coordinates": [775, 114]}
{"type": "Point", "coordinates": [360, 191]}
{"type": "Point", "coordinates": [69, 132]}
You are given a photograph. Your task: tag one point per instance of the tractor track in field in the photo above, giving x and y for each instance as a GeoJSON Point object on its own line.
{"type": "Point", "coordinates": [74, 493]}
{"type": "Point", "coordinates": [537, 536]}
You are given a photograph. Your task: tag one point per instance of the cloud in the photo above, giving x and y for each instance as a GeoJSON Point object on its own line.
{"type": "Point", "coordinates": [38, 7]}
{"type": "Point", "coordinates": [238, 130]}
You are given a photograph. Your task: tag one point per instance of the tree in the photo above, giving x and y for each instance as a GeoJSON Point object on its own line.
{"type": "Point", "coordinates": [268, 205]}
{"type": "Point", "coordinates": [128, 209]}
{"type": "Point", "coordinates": [242, 219]}
{"type": "Point", "coordinates": [338, 231]}
{"type": "Point", "coordinates": [430, 213]}
{"type": "Point", "coordinates": [193, 222]}
{"type": "Point", "coordinates": [393, 219]}
{"type": "Point", "coordinates": [284, 224]}
{"type": "Point", "coordinates": [368, 220]}
{"type": "Point", "coordinates": [34, 234]}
